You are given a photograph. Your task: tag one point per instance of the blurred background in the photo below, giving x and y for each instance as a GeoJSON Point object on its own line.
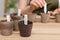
{"type": "Point", "coordinates": [6, 6]}
{"type": "Point", "coordinates": [1, 7]}
{"type": "Point", "coordinates": [41, 31]}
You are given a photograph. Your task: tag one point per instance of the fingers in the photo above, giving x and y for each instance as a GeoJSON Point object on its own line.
{"type": "Point", "coordinates": [58, 10]}
{"type": "Point", "coordinates": [38, 3]}
{"type": "Point", "coordinates": [55, 12]}
{"type": "Point", "coordinates": [34, 4]}
{"type": "Point", "coordinates": [43, 1]}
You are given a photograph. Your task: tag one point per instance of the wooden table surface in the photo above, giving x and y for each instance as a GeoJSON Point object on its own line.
{"type": "Point", "coordinates": [40, 31]}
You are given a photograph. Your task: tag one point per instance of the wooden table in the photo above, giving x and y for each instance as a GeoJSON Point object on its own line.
{"type": "Point", "coordinates": [40, 31]}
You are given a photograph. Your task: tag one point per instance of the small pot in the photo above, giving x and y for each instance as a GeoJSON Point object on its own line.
{"type": "Point", "coordinates": [44, 18]}
{"type": "Point", "coordinates": [25, 30]}
{"type": "Point", "coordinates": [32, 17]}
{"type": "Point", "coordinates": [57, 18]}
{"type": "Point", "coordinates": [15, 27]}
{"type": "Point", "coordinates": [6, 28]}
{"type": "Point", "coordinates": [15, 18]}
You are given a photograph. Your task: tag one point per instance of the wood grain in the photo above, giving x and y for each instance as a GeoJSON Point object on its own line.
{"type": "Point", "coordinates": [40, 31]}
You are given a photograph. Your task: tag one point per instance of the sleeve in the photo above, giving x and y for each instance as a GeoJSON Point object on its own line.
{"type": "Point", "coordinates": [51, 5]}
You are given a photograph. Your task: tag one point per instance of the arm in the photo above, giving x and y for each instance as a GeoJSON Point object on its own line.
{"type": "Point", "coordinates": [23, 6]}
{"type": "Point", "coordinates": [34, 4]}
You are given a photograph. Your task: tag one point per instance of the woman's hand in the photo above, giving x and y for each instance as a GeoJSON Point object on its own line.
{"type": "Point", "coordinates": [37, 3]}
{"type": "Point", "coordinates": [56, 11]}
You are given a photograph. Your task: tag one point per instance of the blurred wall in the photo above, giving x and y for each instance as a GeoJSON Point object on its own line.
{"type": "Point", "coordinates": [1, 7]}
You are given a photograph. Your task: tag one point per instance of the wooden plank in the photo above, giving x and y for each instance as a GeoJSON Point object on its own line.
{"type": "Point", "coordinates": [40, 31]}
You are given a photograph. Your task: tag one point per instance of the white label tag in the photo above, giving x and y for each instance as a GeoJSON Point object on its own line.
{"type": "Point", "coordinates": [19, 12]}
{"type": "Point", "coordinates": [45, 8]}
{"type": "Point", "coordinates": [59, 3]}
{"type": "Point", "coordinates": [8, 18]}
{"type": "Point", "coordinates": [26, 19]}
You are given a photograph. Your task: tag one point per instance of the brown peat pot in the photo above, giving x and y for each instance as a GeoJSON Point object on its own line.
{"type": "Point", "coordinates": [25, 30]}
{"type": "Point", "coordinates": [32, 17]}
{"type": "Point", "coordinates": [6, 28]}
{"type": "Point", "coordinates": [15, 18]}
{"type": "Point", "coordinates": [15, 27]}
{"type": "Point", "coordinates": [57, 18]}
{"type": "Point", "coordinates": [44, 18]}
